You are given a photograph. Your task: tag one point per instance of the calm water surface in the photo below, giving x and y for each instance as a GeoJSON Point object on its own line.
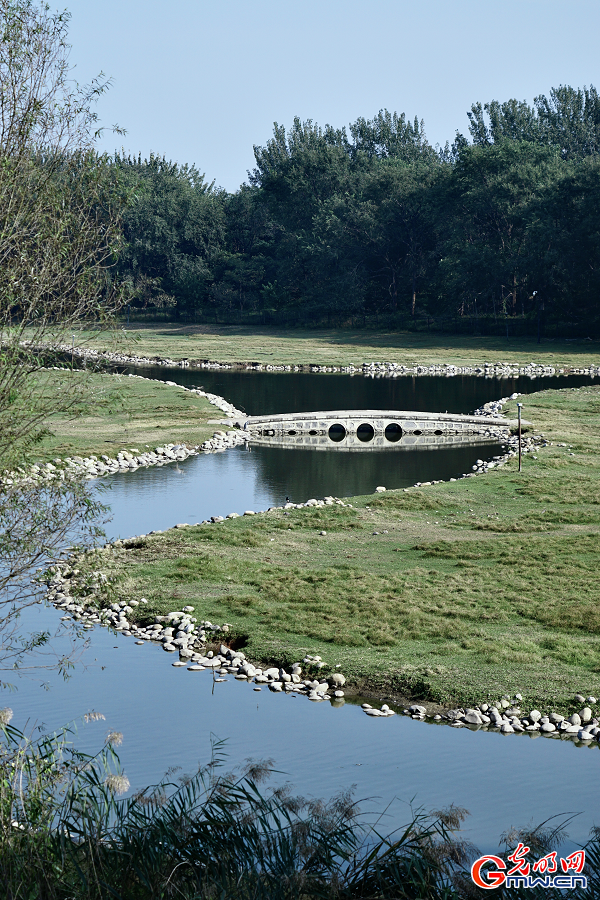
{"type": "Point", "coordinates": [169, 715]}
{"type": "Point", "coordinates": [267, 393]}
{"type": "Point", "coordinates": [238, 480]}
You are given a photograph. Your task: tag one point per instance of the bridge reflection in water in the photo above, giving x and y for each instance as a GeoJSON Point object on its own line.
{"type": "Point", "coordinates": [368, 430]}
{"type": "Point", "coordinates": [352, 444]}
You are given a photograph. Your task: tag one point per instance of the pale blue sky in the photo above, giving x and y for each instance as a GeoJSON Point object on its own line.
{"type": "Point", "coordinates": [201, 81]}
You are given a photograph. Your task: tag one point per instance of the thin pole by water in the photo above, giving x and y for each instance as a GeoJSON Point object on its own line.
{"type": "Point", "coordinates": [519, 407]}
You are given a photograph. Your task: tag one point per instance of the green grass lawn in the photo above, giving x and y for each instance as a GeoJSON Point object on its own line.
{"type": "Point", "coordinates": [297, 346]}
{"type": "Point", "coordinates": [468, 590]}
{"type": "Point", "coordinates": [115, 412]}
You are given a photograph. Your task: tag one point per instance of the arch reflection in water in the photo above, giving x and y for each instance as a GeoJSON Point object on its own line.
{"type": "Point", "coordinates": [393, 432]}
{"type": "Point", "coordinates": [338, 439]}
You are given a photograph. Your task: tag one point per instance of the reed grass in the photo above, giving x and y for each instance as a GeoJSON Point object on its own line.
{"type": "Point", "coordinates": [66, 834]}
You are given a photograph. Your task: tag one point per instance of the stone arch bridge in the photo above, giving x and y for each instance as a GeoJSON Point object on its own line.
{"type": "Point", "coordinates": [374, 429]}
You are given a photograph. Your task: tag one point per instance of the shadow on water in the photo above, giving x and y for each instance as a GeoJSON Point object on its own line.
{"type": "Point", "coordinates": [302, 473]}
{"type": "Point", "coordinates": [268, 393]}
{"type": "Point", "coordinates": [256, 478]}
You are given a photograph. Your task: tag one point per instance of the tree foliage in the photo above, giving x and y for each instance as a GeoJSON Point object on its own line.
{"type": "Point", "coordinates": [568, 120]}
{"type": "Point", "coordinates": [173, 230]}
{"type": "Point", "coordinates": [372, 219]}
{"type": "Point", "coordinates": [60, 206]}
{"type": "Point", "coordinates": [59, 210]}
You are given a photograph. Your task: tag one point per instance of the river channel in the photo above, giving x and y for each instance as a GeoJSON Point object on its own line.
{"type": "Point", "coordinates": [260, 477]}
{"type": "Point", "coordinates": [169, 716]}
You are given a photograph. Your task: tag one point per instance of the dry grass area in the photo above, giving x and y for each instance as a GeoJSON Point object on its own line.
{"type": "Point", "coordinates": [116, 411]}
{"type": "Point", "coordinates": [456, 592]}
{"type": "Point", "coordinates": [296, 346]}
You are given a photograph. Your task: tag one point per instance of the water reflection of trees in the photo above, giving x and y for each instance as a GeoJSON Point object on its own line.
{"type": "Point", "coordinates": [301, 474]}
{"type": "Point", "coordinates": [269, 393]}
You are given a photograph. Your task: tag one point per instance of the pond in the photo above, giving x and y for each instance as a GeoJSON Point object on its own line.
{"type": "Point", "coordinates": [169, 716]}
{"type": "Point", "coordinates": [266, 393]}
{"type": "Point", "coordinates": [240, 479]}
{"type": "Point", "coordinates": [237, 480]}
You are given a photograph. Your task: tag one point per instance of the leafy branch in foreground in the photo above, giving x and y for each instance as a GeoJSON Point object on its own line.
{"type": "Point", "coordinates": [60, 206]}
{"type": "Point", "coordinates": [65, 832]}
{"type": "Point", "coordinates": [37, 522]}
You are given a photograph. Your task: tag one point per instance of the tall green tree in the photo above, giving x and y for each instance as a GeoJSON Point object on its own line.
{"type": "Point", "coordinates": [489, 253]}
{"type": "Point", "coordinates": [390, 224]}
{"type": "Point", "coordinates": [568, 120]}
{"type": "Point", "coordinates": [246, 264]}
{"type": "Point", "coordinates": [566, 230]}
{"type": "Point", "coordinates": [303, 174]}
{"type": "Point", "coordinates": [390, 136]}
{"type": "Point", "coordinates": [174, 230]}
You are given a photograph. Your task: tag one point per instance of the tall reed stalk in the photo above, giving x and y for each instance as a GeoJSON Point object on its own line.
{"type": "Point", "coordinates": [67, 834]}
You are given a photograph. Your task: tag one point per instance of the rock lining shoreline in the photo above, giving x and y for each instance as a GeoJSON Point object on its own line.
{"type": "Point", "coordinates": [370, 369]}
{"type": "Point", "coordinates": [179, 632]}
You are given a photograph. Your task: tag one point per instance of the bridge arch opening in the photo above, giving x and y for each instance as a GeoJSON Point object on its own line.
{"type": "Point", "coordinates": [337, 432]}
{"type": "Point", "coordinates": [365, 432]}
{"type": "Point", "coordinates": [291, 431]}
{"type": "Point", "coordinates": [313, 432]}
{"type": "Point", "coordinates": [438, 431]}
{"type": "Point", "coordinates": [393, 432]}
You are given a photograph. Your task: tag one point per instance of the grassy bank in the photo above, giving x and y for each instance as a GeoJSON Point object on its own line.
{"type": "Point", "coordinates": [114, 411]}
{"type": "Point", "coordinates": [297, 346]}
{"type": "Point", "coordinates": [456, 592]}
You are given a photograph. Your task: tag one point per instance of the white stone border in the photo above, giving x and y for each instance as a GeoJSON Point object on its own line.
{"type": "Point", "coordinates": [370, 369]}
{"type": "Point", "coordinates": [76, 467]}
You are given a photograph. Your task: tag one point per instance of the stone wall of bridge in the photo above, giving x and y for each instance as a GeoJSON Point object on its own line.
{"type": "Point", "coordinates": [376, 427]}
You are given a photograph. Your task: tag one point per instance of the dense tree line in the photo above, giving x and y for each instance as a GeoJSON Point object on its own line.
{"type": "Point", "coordinates": [501, 225]}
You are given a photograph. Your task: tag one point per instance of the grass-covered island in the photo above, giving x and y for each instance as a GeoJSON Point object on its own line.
{"type": "Point", "coordinates": [453, 593]}
{"type": "Point", "coordinates": [111, 412]}
{"type": "Point", "coordinates": [325, 347]}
